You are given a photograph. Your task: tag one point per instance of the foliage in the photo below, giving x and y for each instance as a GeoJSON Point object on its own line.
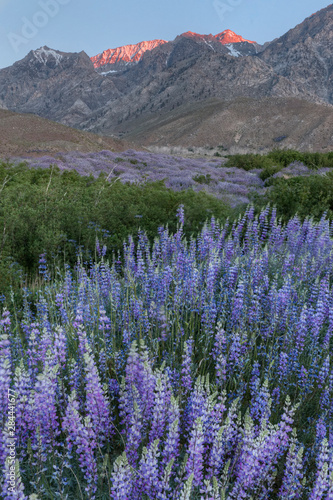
{"type": "Point", "coordinates": [305, 196]}
{"type": "Point", "coordinates": [202, 179]}
{"type": "Point", "coordinates": [250, 161]}
{"type": "Point", "coordinates": [62, 214]}
{"type": "Point", "coordinates": [312, 160]}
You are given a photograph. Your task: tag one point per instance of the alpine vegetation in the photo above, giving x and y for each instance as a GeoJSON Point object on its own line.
{"type": "Point", "coordinates": [193, 368]}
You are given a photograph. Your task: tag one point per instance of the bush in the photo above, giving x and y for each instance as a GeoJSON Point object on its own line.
{"type": "Point", "coordinates": [250, 161]}
{"type": "Point", "coordinates": [202, 179]}
{"type": "Point", "coordinates": [305, 196]}
{"type": "Point", "coordinates": [311, 160]}
{"type": "Point", "coordinates": [62, 214]}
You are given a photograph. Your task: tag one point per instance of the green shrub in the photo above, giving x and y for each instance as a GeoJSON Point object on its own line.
{"type": "Point", "coordinates": [63, 213]}
{"type": "Point", "coordinates": [202, 179]}
{"type": "Point", "coordinates": [250, 161]}
{"type": "Point", "coordinates": [306, 196]}
{"type": "Point", "coordinates": [269, 171]}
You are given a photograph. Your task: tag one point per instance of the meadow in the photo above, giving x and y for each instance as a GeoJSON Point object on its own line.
{"type": "Point", "coordinates": [189, 360]}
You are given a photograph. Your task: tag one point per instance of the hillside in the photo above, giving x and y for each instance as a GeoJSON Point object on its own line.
{"type": "Point", "coordinates": [27, 134]}
{"type": "Point", "coordinates": [240, 126]}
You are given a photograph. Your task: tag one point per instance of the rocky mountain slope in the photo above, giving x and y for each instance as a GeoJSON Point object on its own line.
{"type": "Point", "coordinates": [304, 55]}
{"type": "Point", "coordinates": [242, 125]}
{"type": "Point", "coordinates": [124, 91]}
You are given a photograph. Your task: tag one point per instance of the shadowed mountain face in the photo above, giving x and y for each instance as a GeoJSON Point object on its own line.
{"type": "Point", "coordinates": [305, 55]}
{"type": "Point", "coordinates": [60, 86]}
{"type": "Point", "coordinates": [124, 90]}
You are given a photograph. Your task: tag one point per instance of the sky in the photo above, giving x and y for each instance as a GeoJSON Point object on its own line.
{"type": "Point", "coordinates": [96, 25]}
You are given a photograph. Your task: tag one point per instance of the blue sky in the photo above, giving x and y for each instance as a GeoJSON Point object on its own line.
{"type": "Point", "coordinates": [92, 26]}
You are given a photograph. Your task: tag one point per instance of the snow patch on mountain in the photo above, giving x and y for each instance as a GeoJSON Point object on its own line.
{"type": "Point", "coordinates": [103, 73]}
{"type": "Point", "coordinates": [232, 51]}
{"type": "Point", "coordinates": [43, 53]}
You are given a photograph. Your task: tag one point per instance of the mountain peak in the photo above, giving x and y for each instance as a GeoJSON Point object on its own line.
{"type": "Point", "coordinates": [229, 36]}
{"type": "Point", "coordinates": [44, 53]}
{"type": "Point", "coordinates": [126, 53]}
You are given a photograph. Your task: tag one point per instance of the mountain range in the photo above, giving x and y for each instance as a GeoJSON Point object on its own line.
{"type": "Point", "coordinates": [195, 90]}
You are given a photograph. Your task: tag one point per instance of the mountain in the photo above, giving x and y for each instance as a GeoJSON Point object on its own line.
{"type": "Point", "coordinates": [127, 90]}
{"type": "Point", "coordinates": [121, 57]}
{"type": "Point", "coordinates": [57, 85]}
{"type": "Point", "coordinates": [30, 135]}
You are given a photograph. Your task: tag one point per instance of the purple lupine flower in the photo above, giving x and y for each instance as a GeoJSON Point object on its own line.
{"type": "Point", "coordinates": [322, 476]}
{"type": "Point", "coordinates": [81, 436]}
{"type": "Point", "coordinates": [260, 408]}
{"type": "Point", "coordinates": [235, 353]}
{"type": "Point", "coordinates": [12, 486]}
{"type": "Point", "coordinates": [97, 405]}
{"type": "Point", "coordinates": [122, 479]}
{"type": "Point", "coordinates": [224, 441]}
{"type": "Point", "coordinates": [185, 494]}
{"type": "Point", "coordinates": [219, 355]}
{"type": "Point", "coordinates": [180, 214]}
{"type": "Point", "coordinates": [285, 424]}
{"type": "Point", "coordinates": [43, 269]}
{"type": "Point", "coordinates": [238, 304]}
{"type": "Point", "coordinates": [42, 405]}
{"type": "Point", "coordinates": [60, 347]}
{"type": "Point", "coordinates": [104, 320]}
{"type": "Point", "coordinates": [255, 379]}
{"type": "Point", "coordinates": [302, 329]}
{"type": "Point", "coordinates": [22, 388]}
{"type": "Point", "coordinates": [292, 486]}
{"type": "Point", "coordinates": [33, 350]}
{"type": "Point", "coordinates": [5, 321]}
{"type": "Point", "coordinates": [194, 463]}
{"type": "Point", "coordinates": [5, 374]}
{"type": "Point", "coordinates": [283, 366]}
{"type": "Point", "coordinates": [139, 374]}
{"type": "Point", "coordinates": [213, 416]}
{"type": "Point", "coordinates": [321, 430]}
{"type": "Point", "coordinates": [5, 379]}
{"type": "Point", "coordinates": [324, 372]}
{"type": "Point", "coordinates": [171, 444]}
{"type": "Point", "coordinates": [75, 376]}
{"type": "Point", "coordinates": [210, 491]}
{"type": "Point", "coordinates": [161, 405]}
{"type": "Point", "coordinates": [199, 404]}
{"type": "Point", "coordinates": [248, 462]}
{"type": "Point", "coordinates": [164, 483]}
{"type": "Point", "coordinates": [148, 482]}
{"type": "Point", "coordinates": [134, 434]}
{"type": "Point", "coordinates": [186, 377]}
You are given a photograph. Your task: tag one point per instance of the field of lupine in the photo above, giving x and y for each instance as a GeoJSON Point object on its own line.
{"type": "Point", "coordinates": [179, 173]}
{"type": "Point", "coordinates": [190, 369]}
{"type": "Point", "coordinates": [233, 185]}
